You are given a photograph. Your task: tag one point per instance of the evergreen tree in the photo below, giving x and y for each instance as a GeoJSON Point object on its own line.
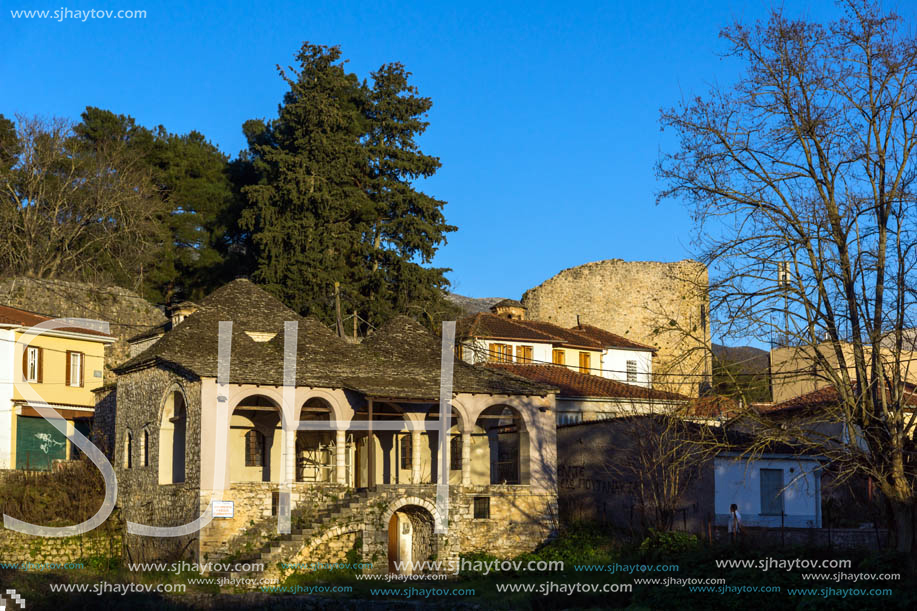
{"type": "Point", "coordinates": [332, 199]}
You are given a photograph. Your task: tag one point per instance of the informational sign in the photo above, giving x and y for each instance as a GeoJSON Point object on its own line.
{"type": "Point", "coordinates": [223, 509]}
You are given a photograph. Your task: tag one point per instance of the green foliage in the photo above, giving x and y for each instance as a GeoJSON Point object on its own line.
{"type": "Point", "coordinates": [661, 543]}
{"type": "Point", "coordinates": [732, 379]}
{"type": "Point", "coordinates": [191, 177]}
{"type": "Point", "coordinates": [331, 198]}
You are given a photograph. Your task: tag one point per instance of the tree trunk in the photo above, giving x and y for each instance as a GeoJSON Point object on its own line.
{"type": "Point", "coordinates": [903, 516]}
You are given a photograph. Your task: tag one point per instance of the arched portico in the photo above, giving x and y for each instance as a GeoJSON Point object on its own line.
{"type": "Point", "coordinates": [255, 443]}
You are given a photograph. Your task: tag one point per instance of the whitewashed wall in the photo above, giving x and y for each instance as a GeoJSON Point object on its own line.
{"type": "Point", "coordinates": [7, 367]}
{"type": "Point", "coordinates": [614, 365]}
{"type": "Point", "coordinates": [738, 481]}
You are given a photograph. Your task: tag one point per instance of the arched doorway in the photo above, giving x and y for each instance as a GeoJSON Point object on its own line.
{"type": "Point", "coordinates": [410, 539]}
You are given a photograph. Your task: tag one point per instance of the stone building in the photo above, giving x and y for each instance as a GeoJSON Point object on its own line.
{"type": "Point", "coordinates": [351, 443]}
{"type": "Point", "coordinates": [663, 304]}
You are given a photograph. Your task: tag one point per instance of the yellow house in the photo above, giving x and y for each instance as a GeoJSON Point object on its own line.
{"type": "Point", "coordinates": [59, 367]}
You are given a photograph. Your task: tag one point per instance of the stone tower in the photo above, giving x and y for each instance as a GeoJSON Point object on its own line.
{"type": "Point", "coordinates": [661, 304]}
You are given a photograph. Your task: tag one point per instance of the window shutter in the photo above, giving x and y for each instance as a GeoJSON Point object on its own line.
{"type": "Point", "coordinates": [82, 370]}
{"type": "Point", "coordinates": [68, 367]}
{"type": "Point", "coordinates": [41, 364]}
{"type": "Point", "coordinates": [25, 364]}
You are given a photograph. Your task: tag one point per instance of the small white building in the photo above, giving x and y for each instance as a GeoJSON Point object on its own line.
{"type": "Point", "coordinates": [772, 490]}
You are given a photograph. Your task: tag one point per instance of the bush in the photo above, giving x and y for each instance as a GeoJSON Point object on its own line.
{"type": "Point", "coordinates": [665, 543]}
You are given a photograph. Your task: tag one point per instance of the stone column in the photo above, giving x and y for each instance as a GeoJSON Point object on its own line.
{"type": "Point", "coordinates": [466, 459]}
{"type": "Point", "coordinates": [340, 456]}
{"type": "Point", "coordinates": [415, 457]}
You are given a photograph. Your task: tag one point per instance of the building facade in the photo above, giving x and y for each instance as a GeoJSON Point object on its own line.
{"type": "Point", "coordinates": [507, 336]}
{"type": "Point", "coordinates": [351, 436]}
{"type": "Point", "coordinates": [58, 368]}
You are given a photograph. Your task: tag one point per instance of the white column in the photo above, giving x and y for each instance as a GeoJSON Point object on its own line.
{"type": "Point", "coordinates": [340, 457]}
{"type": "Point", "coordinates": [466, 459]}
{"type": "Point", "coordinates": [415, 457]}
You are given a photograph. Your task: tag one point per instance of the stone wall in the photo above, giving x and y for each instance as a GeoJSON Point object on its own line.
{"type": "Point", "coordinates": [103, 542]}
{"type": "Point", "coordinates": [126, 312]}
{"type": "Point", "coordinates": [141, 396]}
{"type": "Point", "coordinates": [661, 304]}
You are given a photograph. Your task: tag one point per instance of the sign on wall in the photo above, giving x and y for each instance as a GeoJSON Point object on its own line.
{"type": "Point", "coordinates": [223, 509]}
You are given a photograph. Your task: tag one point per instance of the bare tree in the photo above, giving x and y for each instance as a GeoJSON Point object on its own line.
{"type": "Point", "coordinates": [660, 455]}
{"type": "Point", "coordinates": [804, 166]}
{"type": "Point", "coordinates": [71, 210]}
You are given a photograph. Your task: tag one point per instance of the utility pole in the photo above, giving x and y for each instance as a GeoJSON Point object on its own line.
{"type": "Point", "coordinates": [783, 282]}
{"type": "Point", "coordinates": [337, 309]}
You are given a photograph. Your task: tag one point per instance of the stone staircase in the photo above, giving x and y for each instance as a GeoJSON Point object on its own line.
{"type": "Point", "coordinates": [306, 529]}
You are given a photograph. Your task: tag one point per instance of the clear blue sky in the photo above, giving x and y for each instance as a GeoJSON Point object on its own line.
{"type": "Point", "coordinates": [544, 116]}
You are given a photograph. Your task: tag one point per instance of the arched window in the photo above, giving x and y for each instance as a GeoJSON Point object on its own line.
{"type": "Point", "coordinates": [172, 430]}
{"type": "Point", "coordinates": [145, 449]}
{"type": "Point", "coordinates": [128, 442]}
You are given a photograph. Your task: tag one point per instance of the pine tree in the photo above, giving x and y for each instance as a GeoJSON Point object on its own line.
{"type": "Point", "coordinates": [333, 200]}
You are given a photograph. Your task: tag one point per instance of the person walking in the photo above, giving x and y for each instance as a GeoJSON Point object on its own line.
{"type": "Point", "coordinates": [735, 522]}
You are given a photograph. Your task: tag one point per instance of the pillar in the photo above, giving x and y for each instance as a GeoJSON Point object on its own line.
{"type": "Point", "coordinates": [415, 456]}
{"type": "Point", "coordinates": [340, 457]}
{"type": "Point", "coordinates": [466, 459]}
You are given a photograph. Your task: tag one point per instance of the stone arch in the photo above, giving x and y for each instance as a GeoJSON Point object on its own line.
{"type": "Point", "coordinates": [467, 423]}
{"type": "Point", "coordinates": [410, 526]}
{"type": "Point", "coordinates": [338, 412]}
{"type": "Point", "coordinates": [172, 436]}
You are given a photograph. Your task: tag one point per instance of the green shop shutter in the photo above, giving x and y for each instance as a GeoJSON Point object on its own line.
{"type": "Point", "coordinates": [38, 443]}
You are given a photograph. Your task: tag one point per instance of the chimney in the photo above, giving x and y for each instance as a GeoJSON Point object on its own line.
{"type": "Point", "coordinates": [181, 311]}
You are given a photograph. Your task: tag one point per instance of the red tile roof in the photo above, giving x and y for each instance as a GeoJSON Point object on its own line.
{"type": "Point", "coordinates": [492, 326]}
{"type": "Point", "coordinates": [609, 339]}
{"type": "Point", "coordinates": [574, 384]}
{"type": "Point", "coordinates": [824, 397]}
{"type": "Point", "coordinates": [716, 406]}
{"type": "Point", "coordinates": [498, 327]}
{"type": "Point", "coordinates": [24, 318]}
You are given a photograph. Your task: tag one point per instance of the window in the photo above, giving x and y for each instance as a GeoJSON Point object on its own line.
{"type": "Point", "coordinates": [569, 417]}
{"type": "Point", "coordinates": [254, 449]}
{"type": "Point", "coordinates": [459, 352]}
{"type": "Point", "coordinates": [32, 364]}
{"type": "Point", "coordinates": [631, 371]}
{"type": "Point", "coordinates": [455, 453]}
{"type": "Point", "coordinates": [145, 449]}
{"type": "Point", "coordinates": [771, 492]}
{"type": "Point", "coordinates": [500, 353]}
{"type": "Point", "coordinates": [128, 450]}
{"type": "Point", "coordinates": [482, 508]}
{"type": "Point", "coordinates": [585, 360]}
{"type": "Point", "coordinates": [406, 448]}
{"type": "Point", "coordinates": [74, 372]}
{"type": "Point", "coordinates": [557, 356]}
{"type": "Point", "coordinates": [523, 354]}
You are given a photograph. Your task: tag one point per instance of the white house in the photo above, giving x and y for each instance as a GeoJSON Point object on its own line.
{"type": "Point", "coordinates": [772, 490]}
{"type": "Point", "coordinates": [506, 336]}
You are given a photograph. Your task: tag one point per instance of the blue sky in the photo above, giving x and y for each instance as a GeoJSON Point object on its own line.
{"type": "Point", "coordinates": [544, 116]}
